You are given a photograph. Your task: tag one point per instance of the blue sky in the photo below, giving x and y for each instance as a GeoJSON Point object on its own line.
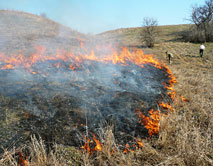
{"type": "Point", "coordinates": [95, 16]}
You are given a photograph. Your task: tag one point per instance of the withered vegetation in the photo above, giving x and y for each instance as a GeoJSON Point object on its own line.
{"type": "Point", "coordinates": [185, 136]}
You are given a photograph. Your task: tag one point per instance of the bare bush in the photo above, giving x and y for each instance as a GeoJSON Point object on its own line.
{"type": "Point", "coordinates": [149, 31]}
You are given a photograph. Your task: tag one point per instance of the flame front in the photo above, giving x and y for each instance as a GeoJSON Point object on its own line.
{"type": "Point", "coordinates": [124, 57]}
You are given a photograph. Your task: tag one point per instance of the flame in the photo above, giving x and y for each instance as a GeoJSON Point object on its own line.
{"type": "Point", "coordinates": [124, 57]}
{"type": "Point", "coordinates": [22, 161]}
{"type": "Point", "coordinates": [89, 143]}
{"type": "Point", "coordinates": [140, 144]}
{"type": "Point", "coordinates": [184, 99]}
{"type": "Point", "coordinates": [126, 149]}
{"type": "Point", "coordinates": [86, 146]}
{"type": "Point", "coordinates": [98, 145]}
{"type": "Point", "coordinates": [150, 122]}
{"type": "Point", "coordinates": [166, 106]}
{"type": "Point", "coordinates": [9, 66]}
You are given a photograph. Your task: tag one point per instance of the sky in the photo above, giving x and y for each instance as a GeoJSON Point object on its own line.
{"type": "Point", "coordinates": [96, 16]}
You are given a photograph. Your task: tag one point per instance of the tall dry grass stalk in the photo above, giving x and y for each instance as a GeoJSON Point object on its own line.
{"type": "Point", "coordinates": [8, 158]}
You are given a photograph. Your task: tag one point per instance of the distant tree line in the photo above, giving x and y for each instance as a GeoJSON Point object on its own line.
{"type": "Point", "coordinates": [202, 19]}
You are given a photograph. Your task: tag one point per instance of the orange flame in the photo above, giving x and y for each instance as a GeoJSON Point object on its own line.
{"type": "Point", "coordinates": [184, 99]}
{"type": "Point", "coordinates": [89, 143]}
{"type": "Point", "coordinates": [124, 57]}
{"type": "Point", "coordinates": [126, 149]}
{"type": "Point", "coordinates": [140, 144]}
{"type": "Point", "coordinates": [152, 122]}
{"type": "Point", "coordinates": [166, 106]}
{"type": "Point", "coordinates": [98, 145]}
{"type": "Point", "coordinates": [22, 161]}
{"type": "Point", "coordinates": [9, 66]}
{"type": "Point", "coordinates": [86, 146]}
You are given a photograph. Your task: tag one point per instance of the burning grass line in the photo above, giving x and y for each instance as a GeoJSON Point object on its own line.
{"type": "Point", "coordinates": [151, 122]}
{"type": "Point", "coordinates": [124, 57]}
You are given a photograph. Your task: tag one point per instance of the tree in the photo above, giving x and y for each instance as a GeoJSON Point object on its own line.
{"type": "Point", "coordinates": [149, 31]}
{"type": "Point", "coordinates": [202, 19]}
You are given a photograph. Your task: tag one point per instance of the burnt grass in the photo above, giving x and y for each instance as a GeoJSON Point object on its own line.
{"type": "Point", "coordinates": [62, 111]}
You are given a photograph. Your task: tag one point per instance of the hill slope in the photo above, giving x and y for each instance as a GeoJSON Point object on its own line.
{"type": "Point", "coordinates": [21, 31]}
{"type": "Point", "coordinates": [132, 36]}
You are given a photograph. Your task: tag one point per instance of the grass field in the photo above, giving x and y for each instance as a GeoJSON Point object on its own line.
{"type": "Point", "coordinates": [186, 134]}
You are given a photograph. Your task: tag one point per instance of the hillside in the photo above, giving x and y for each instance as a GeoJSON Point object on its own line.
{"type": "Point", "coordinates": [20, 31]}
{"type": "Point", "coordinates": [132, 36]}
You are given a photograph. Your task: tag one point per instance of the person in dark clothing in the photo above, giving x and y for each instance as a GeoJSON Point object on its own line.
{"type": "Point", "coordinates": [170, 56]}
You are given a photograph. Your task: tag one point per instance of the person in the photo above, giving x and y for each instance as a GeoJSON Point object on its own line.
{"type": "Point", "coordinates": [170, 56]}
{"type": "Point", "coordinates": [202, 48]}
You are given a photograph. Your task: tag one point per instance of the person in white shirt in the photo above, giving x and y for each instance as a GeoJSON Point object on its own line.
{"type": "Point", "coordinates": [202, 48]}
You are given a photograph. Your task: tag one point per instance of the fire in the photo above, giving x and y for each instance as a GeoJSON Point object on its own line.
{"type": "Point", "coordinates": [86, 146]}
{"type": "Point", "coordinates": [21, 160]}
{"type": "Point", "coordinates": [9, 66]}
{"type": "Point", "coordinates": [89, 143]}
{"type": "Point", "coordinates": [166, 106]}
{"type": "Point", "coordinates": [126, 149]}
{"type": "Point", "coordinates": [98, 145]}
{"type": "Point", "coordinates": [150, 122]}
{"type": "Point", "coordinates": [184, 99]}
{"type": "Point", "coordinates": [139, 142]}
{"type": "Point", "coordinates": [124, 57]}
